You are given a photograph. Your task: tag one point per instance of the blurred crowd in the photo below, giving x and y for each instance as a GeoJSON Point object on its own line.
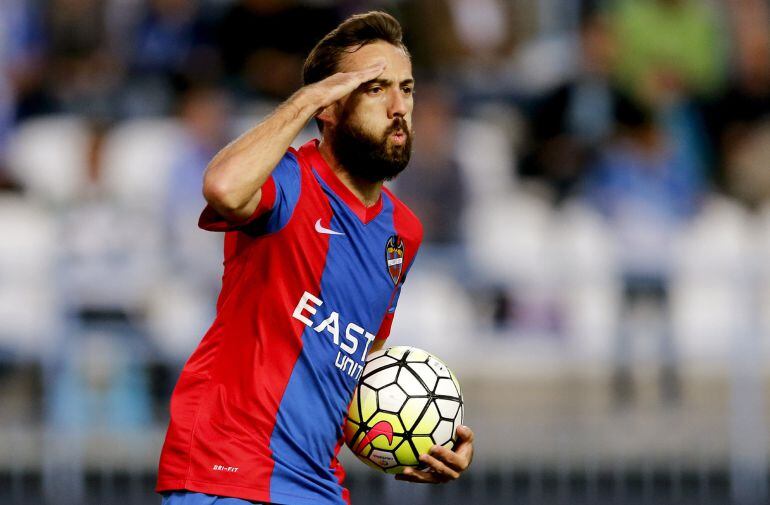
{"type": "Point", "coordinates": [637, 111]}
{"type": "Point", "coordinates": [605, 89]}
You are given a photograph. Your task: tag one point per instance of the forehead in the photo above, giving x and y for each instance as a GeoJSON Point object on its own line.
{"type": "Point", "coordinates": [398, 64]}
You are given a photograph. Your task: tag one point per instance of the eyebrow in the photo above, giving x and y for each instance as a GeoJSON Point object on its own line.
{"type": "Point", "coordinates": [388, 82]}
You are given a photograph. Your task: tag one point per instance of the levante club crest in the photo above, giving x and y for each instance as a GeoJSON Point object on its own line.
{"type": "Point", "coordinates": [394, 256]}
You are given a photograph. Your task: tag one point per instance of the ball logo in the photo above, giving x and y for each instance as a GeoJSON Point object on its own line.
{"type": "Point", "coordinates": [394, 257]}
{"type": "Point", "coordinates": [381, 428]}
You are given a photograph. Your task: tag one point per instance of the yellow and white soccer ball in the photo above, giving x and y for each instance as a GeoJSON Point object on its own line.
{"type": "Point", "coordinates": [406, 401]}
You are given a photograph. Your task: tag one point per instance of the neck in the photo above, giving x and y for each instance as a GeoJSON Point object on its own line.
{"type": "Point", "coordinates": [366, 191]}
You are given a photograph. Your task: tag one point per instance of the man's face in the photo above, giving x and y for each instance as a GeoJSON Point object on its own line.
{"type": "Point", "coordinates": [372, 133]}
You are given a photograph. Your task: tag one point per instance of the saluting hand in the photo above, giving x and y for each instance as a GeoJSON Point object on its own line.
{"type": "Point", "coordinates": [324, 93]}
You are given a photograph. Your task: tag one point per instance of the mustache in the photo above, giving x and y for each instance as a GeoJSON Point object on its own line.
{"type": "Point", "coordinates": [399, 123]}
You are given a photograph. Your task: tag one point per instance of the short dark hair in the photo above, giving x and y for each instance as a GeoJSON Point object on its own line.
{"type": "Point", "coordinates": [351, 35]}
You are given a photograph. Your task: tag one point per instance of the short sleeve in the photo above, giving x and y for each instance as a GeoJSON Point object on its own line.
{"type": "Point", "coordinates": [280, 194]}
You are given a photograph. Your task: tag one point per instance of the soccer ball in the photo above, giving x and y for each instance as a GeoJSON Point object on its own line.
{"type": "Point", "coordinates": [406, 401]}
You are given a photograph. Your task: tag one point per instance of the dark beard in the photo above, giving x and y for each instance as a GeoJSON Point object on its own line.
{"type": "Point", "coordinates": [369, 158]}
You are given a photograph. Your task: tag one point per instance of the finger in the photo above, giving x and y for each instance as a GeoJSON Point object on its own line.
{"type": "Point", "coordinates": [460, 457]}
{"type": "Point", "coordinates": [439, 467]}
{"type": "Point", "coordinates": [368, 74]}
{"type": "Point", "coordinates": [376, 64]}
{"type": "Point", "coordinates": [464, 434]}
{"type": "Point", "coordinates": [464, 444]}
{"type": "Point", "coordinates": [456, 461]}
{"type": "Point", "coordinates": [421, 477]}
{"type": "Point", "coordinates": [410, 478]}
{"type": "Point", "coordinates": [347, 82]}
{"type": "Point", "coordinates": [373, 69]}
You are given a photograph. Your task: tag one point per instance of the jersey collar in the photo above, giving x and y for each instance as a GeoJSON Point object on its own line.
{"type": "Point", "coordinates": [364, 213]}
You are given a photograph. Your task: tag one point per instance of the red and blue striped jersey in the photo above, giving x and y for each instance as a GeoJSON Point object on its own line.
{"type": "Point", "coordinates": [310, 281]}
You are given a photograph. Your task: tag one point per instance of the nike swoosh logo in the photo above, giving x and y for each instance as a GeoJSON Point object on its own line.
{"type": "Point", "coordinates": [326, 231]}
{"type": "Point", "coordinates": [381, 428]}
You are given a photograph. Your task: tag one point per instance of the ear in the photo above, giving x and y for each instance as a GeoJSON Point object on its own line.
{"type": "Point", "coordinates": [328, 115]}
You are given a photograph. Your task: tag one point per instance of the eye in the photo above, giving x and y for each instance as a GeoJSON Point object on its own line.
{"type": "Point", "coordinates": [375, 90]}
{"type": "Point", "coordinates": [408, 90]}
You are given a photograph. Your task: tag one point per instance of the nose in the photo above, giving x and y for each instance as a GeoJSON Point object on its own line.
{"type": "Point", "coordinates": [398, 104]}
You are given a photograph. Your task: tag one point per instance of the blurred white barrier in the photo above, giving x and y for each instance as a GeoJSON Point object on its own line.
{"type": "Point", "coordinates": [710, 292]}
{"type": "Point", "coordinates": [111, 256]}
{"type": "Point", "coordinates": [588, 272]}
{"type": "Point", "coordinates": [434, 313]}
{"type": "Point", "coordinates": [138, 156]}
{"type": "Point", "coordinates": [114, 250]}
{"type": "Point", "coordinates": [486, 156]}
{"type": "Point", "coordinates": [762, 271]}
{"type": "Point", "coordinates": [29, 319]}
{"type": "Point", "coordinates": [509, 239]}
{"type": "Point", "coordinates": [49, 156]}
{"type": "Point", "coordinates": [178, 316]}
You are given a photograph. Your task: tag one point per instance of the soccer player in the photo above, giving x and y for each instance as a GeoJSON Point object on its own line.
{"type": "Point", "coordinates": [316, 251]}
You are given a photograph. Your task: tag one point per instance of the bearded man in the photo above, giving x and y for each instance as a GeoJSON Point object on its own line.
{"type": "Point", "coordinates": [257, 413]}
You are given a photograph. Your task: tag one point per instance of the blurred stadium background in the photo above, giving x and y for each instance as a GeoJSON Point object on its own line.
{"type": "Point", "coordinates": [593, 179]}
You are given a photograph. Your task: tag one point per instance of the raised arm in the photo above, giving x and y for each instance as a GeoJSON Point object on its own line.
{"type": "Point", "coordinates": [233, 178]}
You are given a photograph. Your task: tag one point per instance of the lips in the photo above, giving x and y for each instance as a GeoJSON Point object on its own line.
{"type": "Point", "coordinates": [398, 136]}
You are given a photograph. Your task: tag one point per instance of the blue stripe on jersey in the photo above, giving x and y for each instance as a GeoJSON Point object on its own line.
{"type": "Point", "coordinates": [287, 179]}
{"type": "Point", "coordinates": [355, 283]}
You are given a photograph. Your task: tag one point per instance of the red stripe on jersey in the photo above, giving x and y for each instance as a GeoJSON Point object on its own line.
{"type": "Point", "coordinates": [384, 330]}
{"type": "Point", "coordinates": [224, 407]}
{"type": "Point", "coordinates": [339, 470]}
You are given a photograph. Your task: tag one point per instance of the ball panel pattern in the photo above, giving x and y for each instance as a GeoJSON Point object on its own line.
{"type": "Point", "coordinates": [425, 374]}
{"type": "Point", "coordinates": [380, 362]}
{"type": "Point", "coordinates": [391, 398]}
{"type": "Point", "coordinates": [447, 408]}
{"type": "Point", "coordinates": [397, 352]}
{"type": "Point", "coordinates": [438, 367]}
{"type": "Point", "coordinates": [443, 432]}
{"type": "Point", "coordinates": [410, 383]}
{"type": "Point", "coordinates": [367, 403]}
{"type": "Point", "coordinates": [406, 402]}
{"type": "Point", "coordinates": [412, 410]}
{"type": "Point", "coordinates": [422, 444]}
{"type": "Point", "coordinates": [417, 356]}
{"type": "Point", "coordinates": [445, 387]}
{"type": "Point", "coordinates": [428, 421]}
{"type": "Point", "coordinates": [382, 377]}
{"type": "Point", "coordinates": [354, 414]}
{"type": "Point", "coordinates": [406, 455]}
